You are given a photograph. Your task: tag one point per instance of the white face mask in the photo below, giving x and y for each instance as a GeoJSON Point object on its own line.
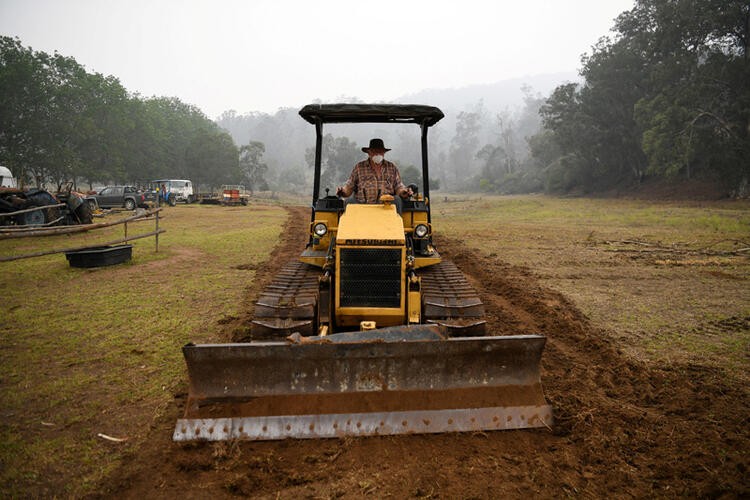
{"type": "Point", "coordinates": [378, 159]}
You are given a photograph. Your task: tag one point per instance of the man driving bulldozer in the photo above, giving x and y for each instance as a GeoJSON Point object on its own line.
{"type": "Point", "coordinates": [374, 177]}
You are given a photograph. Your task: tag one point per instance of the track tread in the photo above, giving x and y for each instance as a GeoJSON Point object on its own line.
{"type": "Point", "coordinates": [288, 303]}
{"type": "Point", "coordinates": [447, 294]}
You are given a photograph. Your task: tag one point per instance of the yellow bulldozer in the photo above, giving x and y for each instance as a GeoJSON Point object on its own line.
{"type": "Point", "coordinates": [370, 332]}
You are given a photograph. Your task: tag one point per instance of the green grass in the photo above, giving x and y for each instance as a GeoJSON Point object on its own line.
{"type": "Point", "coordinates": [659, 299]}
{"type": "Point", "coordinates": [92, 351]}
{"type": "Point", "coordinates": [665, 221]}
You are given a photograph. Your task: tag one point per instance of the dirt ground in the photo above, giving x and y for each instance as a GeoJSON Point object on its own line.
{"type": "Point", "coordinates": [623, 428]}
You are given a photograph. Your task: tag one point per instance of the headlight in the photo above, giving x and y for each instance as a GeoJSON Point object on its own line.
{"type": "Point", "coordinates": [420, 231]}
{"type": "Point", "coordinates": [320, 229]}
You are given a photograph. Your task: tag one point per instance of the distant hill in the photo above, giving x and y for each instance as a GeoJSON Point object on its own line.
{"type": "Point", "coordinates": [497, 96]}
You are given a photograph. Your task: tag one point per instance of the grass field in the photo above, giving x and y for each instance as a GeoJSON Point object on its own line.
{"type": "Point", "coordinates": [98, 351]}
{"type": "Point", "coordinates": [663, 278]}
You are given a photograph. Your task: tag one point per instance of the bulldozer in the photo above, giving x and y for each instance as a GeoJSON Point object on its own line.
{"type": "Point", "coordinates": [369, 332]}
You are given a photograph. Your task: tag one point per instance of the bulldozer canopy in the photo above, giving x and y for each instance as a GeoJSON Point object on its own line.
{"type": "Point", "coordinates": [372, 113]}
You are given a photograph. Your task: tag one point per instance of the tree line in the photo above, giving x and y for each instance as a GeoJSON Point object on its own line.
{"type": "Point", "coordinates": [61, 124]}
{"type": "Point", "coordinates": [668, 96]}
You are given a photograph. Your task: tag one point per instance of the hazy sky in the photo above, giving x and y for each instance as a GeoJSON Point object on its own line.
{"type": "Point", "coordinates": [260, 55]}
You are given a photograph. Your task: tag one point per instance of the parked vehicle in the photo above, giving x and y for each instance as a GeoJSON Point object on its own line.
{"type": "Point", "coordinates": [209, 198]}
{"type": "Point", "coordinates": [228, 195]}
{"type": "Point", "coordinates": [7, 179]}
{"type": "Point", "coordinates": [182, 189]}
{"type": "Point", "coordinates": [128, 197]}
{"type": "Point", "coordinates": [37, 207]}
{"type": "Point", "coordinates": [234, 194]}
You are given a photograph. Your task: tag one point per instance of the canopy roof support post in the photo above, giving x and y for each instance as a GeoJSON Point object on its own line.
{"type": "Point", "coordinates": [318, 155]}
{"type": "Point", "coordinates": [425, 170]}
{"type": "Point", "coordinates": [316, 182]}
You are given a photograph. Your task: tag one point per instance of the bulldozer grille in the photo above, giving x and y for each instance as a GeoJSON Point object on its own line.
{"type": "Point", "coordinates": [370, 277]}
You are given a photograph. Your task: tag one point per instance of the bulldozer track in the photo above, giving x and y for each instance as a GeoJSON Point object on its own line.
{"type": "Point", "coordinates": [447, 294]}
{"type": "Point", "coordinates": [288, 304]}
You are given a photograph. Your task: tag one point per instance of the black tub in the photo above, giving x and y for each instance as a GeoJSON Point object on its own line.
{"type": "Point", "coordinates": [100, 256]}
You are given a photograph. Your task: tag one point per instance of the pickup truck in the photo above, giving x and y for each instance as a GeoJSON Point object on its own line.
{"type": "Point", "coordinates": [128, 197]}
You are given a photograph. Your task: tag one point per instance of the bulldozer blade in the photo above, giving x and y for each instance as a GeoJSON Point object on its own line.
{"type": "Point", "coordinates": [321, 389]}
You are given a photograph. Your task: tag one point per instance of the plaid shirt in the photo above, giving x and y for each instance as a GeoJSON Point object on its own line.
{"type": "Point", "coordinates": [368, 186]}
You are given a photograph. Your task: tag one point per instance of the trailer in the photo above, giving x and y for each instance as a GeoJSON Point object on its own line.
{"type": "Point", "coordinates": [234, 194]}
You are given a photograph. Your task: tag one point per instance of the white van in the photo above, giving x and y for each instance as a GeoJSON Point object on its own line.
{"type": "Point", "coordinates": [181, 188]}
{"type": "Point", "coordinates": [7, 179]}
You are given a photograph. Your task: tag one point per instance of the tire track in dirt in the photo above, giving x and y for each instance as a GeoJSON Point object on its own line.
{"type": "Point", "coordinates": [621, 428]}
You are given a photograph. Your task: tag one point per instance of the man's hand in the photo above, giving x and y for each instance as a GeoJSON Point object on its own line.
{"type": "Point", "coordinates": [340, 191]}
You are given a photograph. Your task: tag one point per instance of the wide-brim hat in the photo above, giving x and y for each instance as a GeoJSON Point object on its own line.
{"type": "Point", "coordinates": [375, 144]}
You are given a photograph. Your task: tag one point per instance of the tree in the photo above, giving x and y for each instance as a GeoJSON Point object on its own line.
{"type": "Point", "coordinates": [338, 157]}
{"type": "Point", "coordinates": [464, 144]}
{"type": "Point", "coordinates": [594, 123]}
{"type": "Point", "coordinates": [342, 156]}
{"type": "Point", "coordinates": [59, 123]}
{"type": "Point", "coordinates": [696, 119]}
{"type": "Point", "coordinates": [100, 128]}
{"type": "Point", "coordinates": [667, 96]}
{"type": "Point", "coordinates": [212, 158]}
{"type": "Point", "coordinates": [500, 160]}
{"type": "Point", "coordinates": [292, 180]}
{"type": "Point", "coordinates": [543, 164]}
{"type": "Point", "coordinates": [27, 129]}
{"type": "Point", "coordinates": [411, 175]}
{"type": "Point", "coordinates": [252, 167]}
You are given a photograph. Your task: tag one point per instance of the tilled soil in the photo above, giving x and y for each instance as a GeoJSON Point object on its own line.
{"type": "Point", "coordinates": [622, 428]}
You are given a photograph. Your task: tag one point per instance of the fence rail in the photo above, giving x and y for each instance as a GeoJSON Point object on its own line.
{"type": "Point", "coordinates": [34, 209]}
{"type": "Point", "coordinates": [48, 231]}
{"type": "Point", "coordinates": [24, 232]}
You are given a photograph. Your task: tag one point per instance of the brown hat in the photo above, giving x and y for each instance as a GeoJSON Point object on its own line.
{"type": "Point", "coordinates": [375, 144]}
